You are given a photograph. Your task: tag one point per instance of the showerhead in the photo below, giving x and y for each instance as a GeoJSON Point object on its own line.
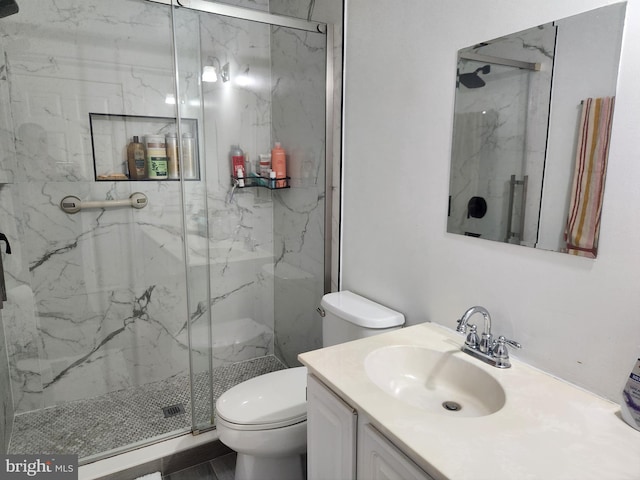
{"type": "Point", "coordinates": [8, 7]}
{"type": "Point", "coordinates": [472, 80]}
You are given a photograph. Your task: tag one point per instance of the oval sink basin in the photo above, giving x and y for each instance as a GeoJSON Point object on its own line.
{"type": "Point", "coordinates": [437, 382]}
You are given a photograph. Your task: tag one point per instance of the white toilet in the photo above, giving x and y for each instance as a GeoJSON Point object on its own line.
{"type": "Point", "coordinates": [265, 418]}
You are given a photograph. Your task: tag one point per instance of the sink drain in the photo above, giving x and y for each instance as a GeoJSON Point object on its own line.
{"type": "Point", "coordinates": [452, 406]}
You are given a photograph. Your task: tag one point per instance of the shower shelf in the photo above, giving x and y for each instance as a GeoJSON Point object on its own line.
{"type": "Point", "coordinates": [261, 182]}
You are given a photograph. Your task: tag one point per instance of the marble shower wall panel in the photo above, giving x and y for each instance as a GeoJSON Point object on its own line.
{"type": "Point", "coordinates": [236, 113]}
{"type": "Point", "coordinates": [7, 148]}
{"type": "Point", "coordinates": [291, 8]}
{"type": "Point", "coordinates": [108, 300]}
{"type": "Point", "coordinates": [6, 402]}
{"type": "Point", "coordinates": [330, 12]}
{"type": "Point", "coordinates": [299, 80]}
{"type": "Point", "coordinates": [124, 39]}
{"type": "Point", "coordinates": [66, 59]}
{"type": "Point", "coordinates": [96, 304]}
{"type": "Point", "coordinates": [262, 5]}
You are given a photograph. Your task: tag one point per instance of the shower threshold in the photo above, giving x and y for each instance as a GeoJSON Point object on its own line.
{"type": "Point", "coordinates": [106, 425]}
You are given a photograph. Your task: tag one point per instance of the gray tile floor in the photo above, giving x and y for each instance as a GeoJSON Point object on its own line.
{"type": "Point", "coordinates": [91, 427]}
{"type": "Point", "coordinates": [221, 468]}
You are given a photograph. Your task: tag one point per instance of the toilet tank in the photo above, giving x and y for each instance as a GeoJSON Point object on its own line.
{"type": "Point", "coordinates": [348, 316]}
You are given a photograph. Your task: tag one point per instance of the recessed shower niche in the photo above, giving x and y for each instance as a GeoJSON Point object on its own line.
{"type": "Point", "coordinates": [111, 135]}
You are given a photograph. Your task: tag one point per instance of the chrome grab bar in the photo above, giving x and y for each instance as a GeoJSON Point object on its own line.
{"type": "Point", "coordinates": [72, 204]}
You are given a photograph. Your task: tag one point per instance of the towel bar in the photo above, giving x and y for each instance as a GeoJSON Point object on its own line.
{"type": "Point", "coordinates": [72, 204]}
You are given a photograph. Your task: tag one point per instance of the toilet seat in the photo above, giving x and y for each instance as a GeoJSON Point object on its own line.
{"type": "Point", "coordinates": [273, 400]}
{"type": "Point", "coordinates": [254, 428]}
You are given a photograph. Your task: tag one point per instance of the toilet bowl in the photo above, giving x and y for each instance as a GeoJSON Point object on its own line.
{"type": "Point", "coordinates": [265, 418]}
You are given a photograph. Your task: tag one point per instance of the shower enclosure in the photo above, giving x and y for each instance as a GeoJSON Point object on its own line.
{"type": "Point", "coordinates": [123, 325]}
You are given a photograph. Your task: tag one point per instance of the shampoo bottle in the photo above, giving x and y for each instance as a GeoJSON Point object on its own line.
{"type": "Point", "coordinates": [135, 159]}
{"type": "Point", "coordinates": [279, 165]}
{"type": "Point", "coordinates": [237, 161]}
{"type": "Point", "coordinates": [631, 398]}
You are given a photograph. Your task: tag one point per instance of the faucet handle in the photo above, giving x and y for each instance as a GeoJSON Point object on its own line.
{"type": "Point", "coordinates": [501, 353]}
{"type": "Point", "coordinates": [472, 341]}
{"type": "Point", "coordinates": [513, 343]}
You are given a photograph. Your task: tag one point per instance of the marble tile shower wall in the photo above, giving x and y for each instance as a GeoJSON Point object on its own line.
{"type": "Point", "coordinates": [6, 402]}
{"type": "Point", "coordinates": [299, 213]}
{"type": "Point", "coordinates": [242, 292]}
{"type": "Point", "coordinates": [97, 299]}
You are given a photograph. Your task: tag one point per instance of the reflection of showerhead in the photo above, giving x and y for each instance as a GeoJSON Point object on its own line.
{"type": "Point", "coordinates": [472, 80]}
{"type": "Point", "coordinates": [8, 7]}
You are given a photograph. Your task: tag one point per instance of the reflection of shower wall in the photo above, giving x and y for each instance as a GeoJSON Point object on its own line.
{"type": "Point", "coordinates": [519, 139]}
{"type": "Point", "coordinates": [472, 158]}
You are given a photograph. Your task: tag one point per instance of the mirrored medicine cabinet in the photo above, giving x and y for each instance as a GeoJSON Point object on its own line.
{"type": "Point", "coordinates": [518, 116]}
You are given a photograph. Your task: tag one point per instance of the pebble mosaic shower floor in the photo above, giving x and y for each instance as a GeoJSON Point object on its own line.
{"type": "Point", "coordinates": [93, 426]}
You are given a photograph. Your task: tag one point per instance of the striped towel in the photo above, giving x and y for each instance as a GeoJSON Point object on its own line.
{"type": "Point", "coordinates": [583, 224]}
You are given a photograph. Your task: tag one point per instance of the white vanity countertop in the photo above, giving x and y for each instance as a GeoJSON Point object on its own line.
{"type": "Point", "coordinates": [547, 429]}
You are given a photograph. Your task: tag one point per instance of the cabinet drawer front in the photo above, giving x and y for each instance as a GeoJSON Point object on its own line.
{"type": "Point", "coordinates": [381, 460]}
{"type": "Point", "coordinates": [331, 434]}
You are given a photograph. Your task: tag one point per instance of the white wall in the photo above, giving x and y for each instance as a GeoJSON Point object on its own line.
{"type": "Point", "coordinates": [576, 318]}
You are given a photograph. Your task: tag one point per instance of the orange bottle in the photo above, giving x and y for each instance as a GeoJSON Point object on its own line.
{"type": "Point", "coordinates": [279, 165]}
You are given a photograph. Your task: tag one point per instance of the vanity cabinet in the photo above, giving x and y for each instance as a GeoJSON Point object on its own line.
{"type": "Point", "coordinates": [331, 434]}
{"type": "Point", "coordinates": [344, 445]}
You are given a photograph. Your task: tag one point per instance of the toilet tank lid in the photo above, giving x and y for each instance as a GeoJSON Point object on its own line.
{"type": "Point", "coordinates": [361, 311]}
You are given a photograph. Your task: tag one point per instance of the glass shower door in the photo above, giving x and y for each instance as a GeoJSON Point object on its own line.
{"type": "Point", "coordinates": [96, 317]}
{"type": "Point", "coordinates": [265, 246]}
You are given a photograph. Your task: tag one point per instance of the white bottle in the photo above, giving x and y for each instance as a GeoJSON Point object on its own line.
{"type": "Point", "coordinates": [631, 398]}
{"type": "Point", "coordinates": [240, 176]}
{"type": "Point", "coordinates": [190, 156]}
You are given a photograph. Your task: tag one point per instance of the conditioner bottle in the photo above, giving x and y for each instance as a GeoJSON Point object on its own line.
{"type": "Point", "coordinates": [279, 165]}
{"type": "Point", "coordinates": [156, 157]}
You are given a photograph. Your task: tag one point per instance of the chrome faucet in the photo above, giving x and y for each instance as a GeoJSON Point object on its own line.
{"type": "Point", "coordinates": [493, 352]}
{"type": "Point", "coordinates": [484, 345]}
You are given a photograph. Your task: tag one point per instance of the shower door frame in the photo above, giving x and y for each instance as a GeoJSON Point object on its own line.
{"type": "Point", "coordinates": [259, 16]}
